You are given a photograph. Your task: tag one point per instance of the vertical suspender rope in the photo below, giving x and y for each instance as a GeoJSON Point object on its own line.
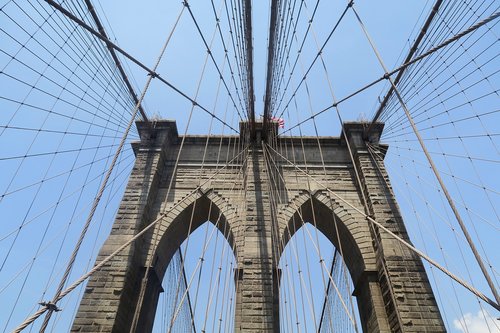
{"type": "Point", "coordinates": [433, 166]}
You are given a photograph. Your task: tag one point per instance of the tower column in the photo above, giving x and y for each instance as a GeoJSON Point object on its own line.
{"type": "Point", "coordinates": [257, 303]}
{"type": "Point", "coordinates": [406, 292]}
{"type": "Point", "coordinates": [111, 295]}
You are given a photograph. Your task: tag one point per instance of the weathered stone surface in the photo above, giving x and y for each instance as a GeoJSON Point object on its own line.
{"type": "Point", "coordinates": [390, 281]}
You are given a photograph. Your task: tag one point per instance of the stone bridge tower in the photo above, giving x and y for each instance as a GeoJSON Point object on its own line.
{"type": "Point", "coordinates": [390, 282]}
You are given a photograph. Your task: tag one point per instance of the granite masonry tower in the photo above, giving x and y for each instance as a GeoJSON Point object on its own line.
{"type": "Point", "coordinates": [391, 286]}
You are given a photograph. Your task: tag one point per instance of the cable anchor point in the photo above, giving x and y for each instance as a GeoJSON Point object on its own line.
{"type": "Point", "coordinates": [50, 306]}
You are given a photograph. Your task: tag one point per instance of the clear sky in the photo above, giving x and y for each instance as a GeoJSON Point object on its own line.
{"type": "Point", "coordinates": [455, 106]}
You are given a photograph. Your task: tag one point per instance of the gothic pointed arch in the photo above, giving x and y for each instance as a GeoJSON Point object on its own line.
{"type": "Point", "coordinates": [187, 215]}
{"type": "Point", "coordinates": [346, 229]}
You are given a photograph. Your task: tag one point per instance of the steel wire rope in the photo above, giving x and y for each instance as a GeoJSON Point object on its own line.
{"type": "Point", "coordinates": [418, 193]}
{"type": "Point", "coordinates": [277, 243]}
{"type": "Point", "coordinates": [317, 134]}
{"type": "Point", "coordinates": [310, 191]}
{"type": "Point", "coordinates": [96, 267]}
{"type": "Point", "coordinates": [145, 279]}
{"type": "Point", "coordinates": [228, 263]}
{"type": "Point", "coordinates": [102, 53]}
{"type": "Point", "coordinates": [201, 169]}
{"type": "Point", "coordinates": [128, 56]}
{"type": "Point", "coordinates": [316, 248]}
{"type": "Point", "coordinates": [217, 18]}
{"type": "Point", "coordinates": [291, 285]}
{"type": "Point", "coordinates": [227, 156]}
{"type": "Point", "coordinates": [57, 31]}
{"type": "Point", "coordinates": [54, 131]}
{"type": "Point", "coordinates": [451, 227]}
{"type": "Point", "coordinates": [234, 30]}
{"type": "Point", "coordinates": [47, 93]}
{"type": "Point", "coordinates": [309, 297]}
{"type": "Point", "coordinates": [399, 119]}
{"type": "Point", "coordinates": [41, 250]}
{"type": "Point", "coordinates": [277, 169]}
{"type": "Point", "coordinates": [45, 248]}
{"type": "Point", "coordinates": [46, 172]}
{"type": "Point", "coordinates": [9, 186]}
{"type": "Point", "coordinates": [415, 60]}
{"type": "Point", "coordinates": [227, 279]}
{"type": "Point", "coordinates": [281, 27]}
{"type": "Point", "coordinates": [77, 190]}
{"type": "Point", "coordinates": [435, 11]}
{"type": "Point", "coordinates": [47, 179]}
{"type": "Point", "coordinates": [420, 107]}
{"type": "Point", "coordinates": [294, 251]}
{"type": "Point", "coordinates": [102, 187]}
{"type": "Point", "coordinates": [278, 181]}
{"type": "Point", "coordinates": [337, 107]}
{"type": "Point", "coordinates": [282, 61]}
{"type": "Point", "coordinates": [111, 195]}
{"type": "Point", "coordinates": [286, 53]}
{"type": "Point", "coordinates": [199, 263]}
{"type": "Point", "coordinates": [493, 191]}
{"type": "Point", "coordinates": [462, 197]}
{"type": "Point", "coordinates": [399, 239]}
{"type": "Point", "coordinates": [326, 296]}
{"type": "Point", "coordinates": [273, 99]}
{"type": "Point", "coordinates": [218, 158]}
{"type": "Point", "coordinates": [69, 41]}
{"type": "Point", "coordinates": [434, 30]}
{"type": "Point", "coordinates": [434, 62]}
{"type": "Point", "coordinates": [44, 325]}
{"type": "Point", "coordinates": [209, 52]}
{"type": "Point", "coordinates": [459, 203]}
{"type": "Point", "coordinates": [109, 54]}
{"type": "Point", "coordinates": [280, 245]}
{"type": "Point", "coordinates": [281, 42]}
{"type": "Point", "coordinates": [443, 30]}
{"type": "Point", "coordinates": [87, 41]}
{"type": "Point", "coordinates": [315, 58]}
{"type": "Point", "coordinates": [53, 214]}
{"type": "Point", "coordinates": [52, 112]}
{"type": "Point", "coordinates": [379, 159]}
{"type": "Point", "coordinates": [445, 191]}
{"type": "Point", "coordinates": [434, 233]}
{"type": "Point", "coordinates": [351, 157]}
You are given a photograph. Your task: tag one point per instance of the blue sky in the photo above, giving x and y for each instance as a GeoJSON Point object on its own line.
{"type": "Point", "coordinates": [141, 27]}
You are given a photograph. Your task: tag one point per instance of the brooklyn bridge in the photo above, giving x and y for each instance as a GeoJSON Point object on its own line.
{"type": "Point", "coordinates": [249, 166]}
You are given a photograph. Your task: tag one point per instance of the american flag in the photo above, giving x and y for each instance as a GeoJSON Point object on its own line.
{"type": "Point", "coordinates": [280, 121]}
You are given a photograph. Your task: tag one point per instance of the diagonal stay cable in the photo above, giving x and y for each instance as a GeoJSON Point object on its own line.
{"type": "Point", "coordinates": [433, 166]}
{"type": "Point", "coordinates": [98, 266]}
{"type": "Point", "coordinates": [386, 76]}
{"type": "Point", "coordinates": [98, 196]}
{"type": "Point", "coordinates": [411, 53]}
{"type": "Point", "coordinates": [151, 72]}
{"type": "Point", "coordinates": [115, 58]}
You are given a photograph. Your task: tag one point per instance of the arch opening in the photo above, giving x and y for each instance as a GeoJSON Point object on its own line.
{"type": "Point", "coordinates": [194, 263]}
{"type": "Point", "coordinates": [345, 232]}
{"type": "Point", "coordinates": [315, 286]}
{"type": "Point", "coordinates": [198, 285]}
